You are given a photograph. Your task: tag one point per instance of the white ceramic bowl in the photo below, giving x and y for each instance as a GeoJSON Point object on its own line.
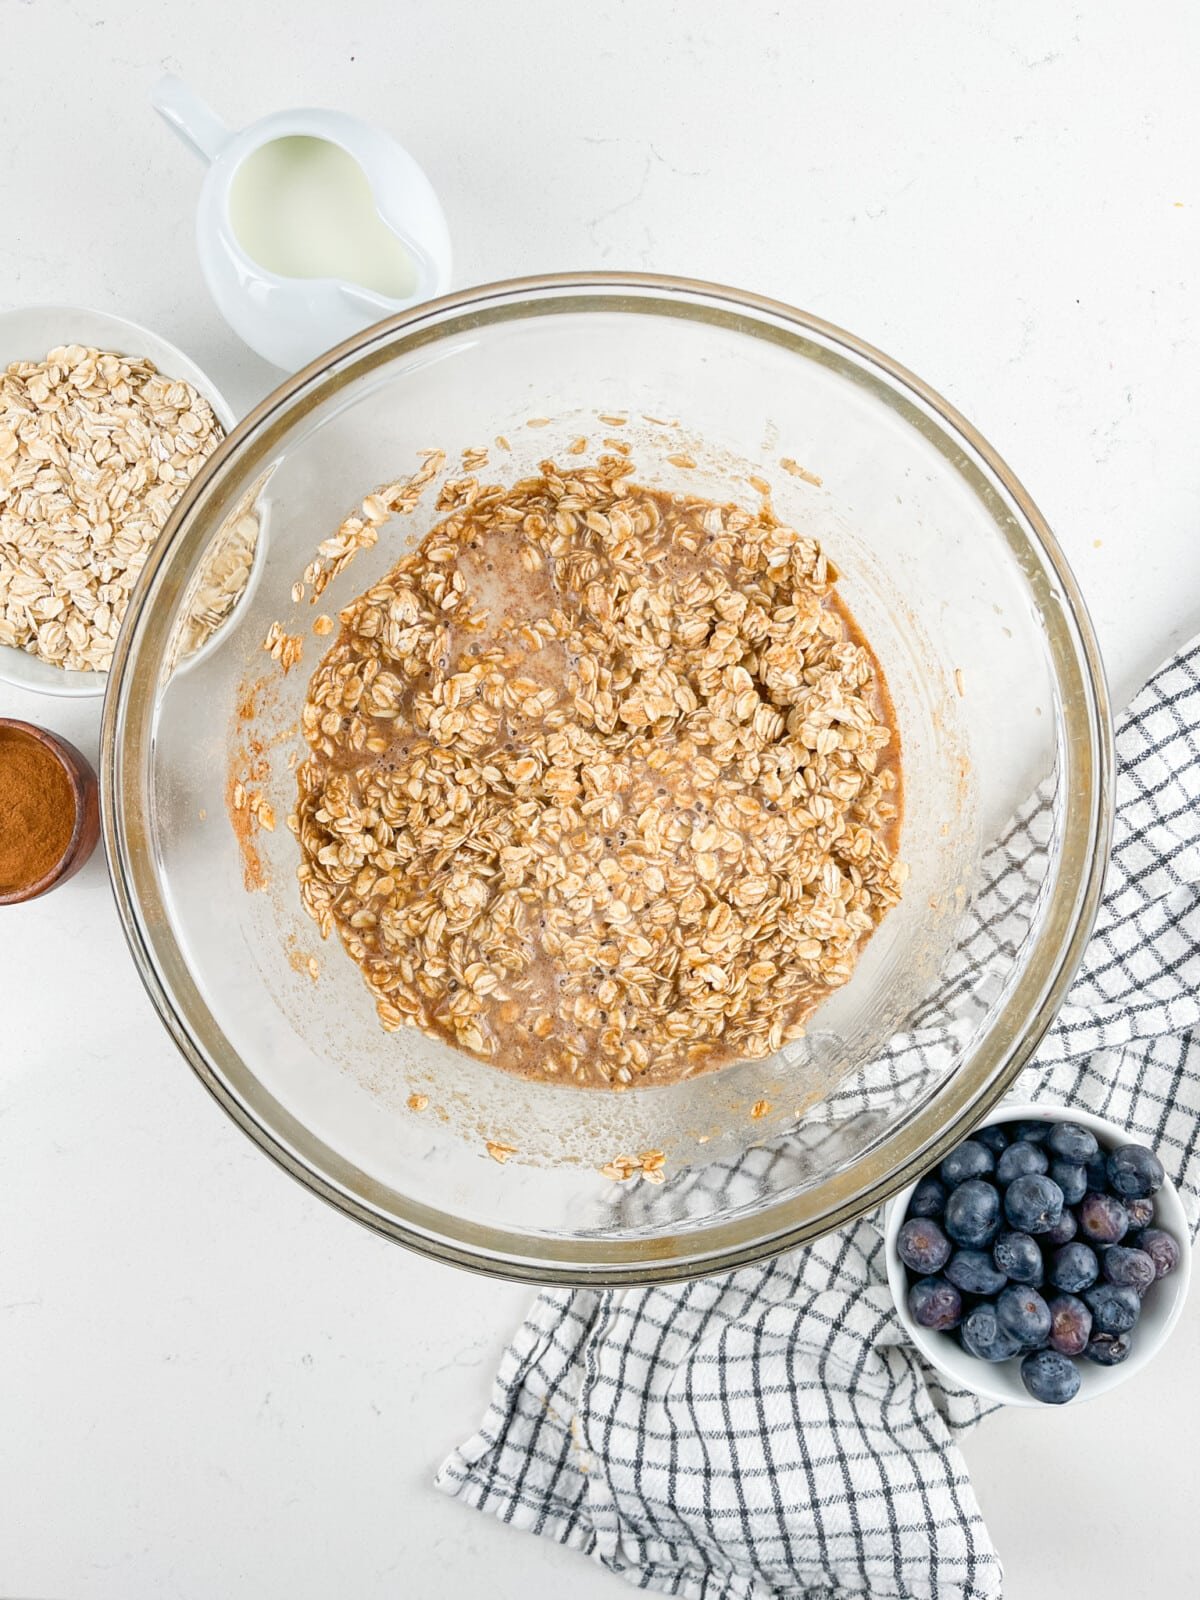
{"type": "Point", "coordinates": [26, 335]}
{"type": "Point", "coordinates": [1001, 1381]}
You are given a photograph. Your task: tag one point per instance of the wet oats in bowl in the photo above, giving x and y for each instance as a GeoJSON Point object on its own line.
{"type": "Point", "coordinates": [603, 782]}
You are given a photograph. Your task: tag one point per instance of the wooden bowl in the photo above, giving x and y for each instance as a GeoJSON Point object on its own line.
{"type": "Point", "coordinates": [86, 794]}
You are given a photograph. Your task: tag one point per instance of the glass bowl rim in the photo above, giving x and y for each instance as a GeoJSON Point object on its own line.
{"type": "Point", "coordinates": [893, 1162]}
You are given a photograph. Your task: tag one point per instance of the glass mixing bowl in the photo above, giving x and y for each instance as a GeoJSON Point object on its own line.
{"type": "Point", "coordinates": [998, 688]}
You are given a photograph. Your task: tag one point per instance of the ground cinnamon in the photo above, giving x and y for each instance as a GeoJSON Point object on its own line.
{"type": "Point", "coordinates": [37, 810]}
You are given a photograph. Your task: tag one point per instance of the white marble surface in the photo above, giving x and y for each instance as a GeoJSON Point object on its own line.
{"type": "Point", "coordinates": [212, 1384]}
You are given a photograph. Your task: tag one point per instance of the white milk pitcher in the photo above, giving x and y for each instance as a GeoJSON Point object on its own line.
{"type": "Point", "coordinates": [311, 225]}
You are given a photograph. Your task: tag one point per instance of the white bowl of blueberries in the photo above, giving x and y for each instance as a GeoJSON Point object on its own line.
{"type": "Point", "coordinates": [1045, 1260]}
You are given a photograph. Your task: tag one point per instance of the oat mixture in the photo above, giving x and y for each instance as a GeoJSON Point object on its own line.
{"type": "Point", "coordinates": [95, 449]}
{"type": "Point", "coordinates": [603, 784]}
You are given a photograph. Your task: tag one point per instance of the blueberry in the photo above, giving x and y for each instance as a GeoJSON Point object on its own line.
{"type": "Point", "coordinates": [1134, 1171]}
{"type": "Point", "coordinates": [1074, 1268]}
{"type": "Point", "coordinates": [972, 1271]}
{"type": "Point", "coordinates": [993, 1136]}
{"type": "Point", "coordinates": [970, 1160]}
{"type": "Point", "coordinates": [922, 1245]}
{"type": "Point", "coordinates": [928, 1198]}
{"type": "Point", "coordinates": [1034, 1132]}
{"type": "Point", "coordinates": [1114, 1308]}
{"type": "Point", "coordinates": [1133, 1269]}
{"type": "Point", "coordinates": [1160, 1247]}
{"type": "Point", "coordinates": [934, 1303]}
{"type": "Point", "coordinates": [1071, 1179]}
{"type": "Point", "coordinates": [973, 1214]}
{"type": "Point", "coordinates": [1070, 1325]}
{"type": "Point", "coordinates": [983, 1336]}
{"type": "Point", "coordinates": [1108, 1349]}
{"type": "Point", "coordinates": [1064, 1230]}
{"type": "Point", "coordinates": [1019, 1160]}
{"type": "Point", "coordinates": [1070, 1142]}
{"type": "Point", "coordinates": [1018, 1257]}
{"type": "Point", "coordinates": [1050, 1377]}
{"type": "Point", "coordinates": [1102, 1219]}
{"type": "Point", "coordinates": [1141, 1211]}
{"type": "Point", "coordinates": [1033, 1203]}
{"type": "Point", "coordinates": [1023, 1313]}
{"type": "Point", "coordinates": [1097, 1172]}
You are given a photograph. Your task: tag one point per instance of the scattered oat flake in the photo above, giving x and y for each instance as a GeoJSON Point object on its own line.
{"type": "Point", "coordinates": [797, 471]}
{"type": "Point", "coordinates": [620, 1169]}
{"type": "Point", "coordinates": [286, 648]}
{"type": "Point", "coordinates": [958, 682]}
{"type": "Point", "coordinates": [313, 968]}
{"type": "Point", "coordinates": [239, 796]}
{"type": "Point", "coordinates": [760, 1108]}
{"type": "Point", "coordinates": [577, 446]}
{"type": "Point", "coordinates": [297, 593]}
{"type": "Point", "coordinates": [612, 419]}
{"type": "Point", "coordinates": [502, 442]}
{"type": "Point", "coordinates": [500, 1152]}
{"type": "Point", "coordinates": [538, 422]}
{"type": "Point", "coordinates": [678, 459]}
{"type": "Point", "coordinates": [418, 1102]}
{"type": "Point", "coordinates": [323, 625]}
{"type": "Point", "coordinates": [759, 484]}
{"type": "Point", "coordinates": [648, 1165]}
{"type": "Point", "coordinates": [360, 530]}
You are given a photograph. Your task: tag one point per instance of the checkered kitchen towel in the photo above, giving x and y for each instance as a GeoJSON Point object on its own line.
{"type": "Point", "coordinates": [768, 1433]}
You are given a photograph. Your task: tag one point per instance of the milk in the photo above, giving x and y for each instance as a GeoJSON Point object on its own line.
{"type": "Point", "coordinates": [302, 208]}
{"type": "Point", "coordinates": [311, 226]}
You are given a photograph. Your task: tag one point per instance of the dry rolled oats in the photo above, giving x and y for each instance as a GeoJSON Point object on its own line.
{"type": "Point", "coordinates": [220, 584]}
{"type": "Point", "coordinates": [95, 449]}
{"type": "Point", "coordinates": [603, 785]}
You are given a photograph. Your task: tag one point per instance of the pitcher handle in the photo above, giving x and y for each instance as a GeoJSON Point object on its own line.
{"type": "Point", "coordinates": [195, 122]}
